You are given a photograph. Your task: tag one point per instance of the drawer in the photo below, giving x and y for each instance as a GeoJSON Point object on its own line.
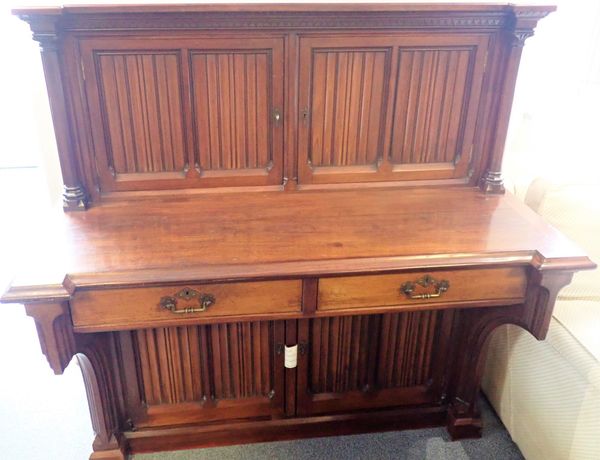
{"type": "Point", "coordinates": [481, 286]}
{"type": "Point", "coordinates": [112, 309]}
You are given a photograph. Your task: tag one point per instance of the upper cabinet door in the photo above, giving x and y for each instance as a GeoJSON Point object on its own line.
{"type": "Point", "coordinates": [388, 108]}
{"type": "Point", "coordinates": [185, 112]}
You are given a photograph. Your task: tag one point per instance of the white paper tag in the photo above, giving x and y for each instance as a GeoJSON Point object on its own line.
{"type": "Point", "coordinates": [291, 357]}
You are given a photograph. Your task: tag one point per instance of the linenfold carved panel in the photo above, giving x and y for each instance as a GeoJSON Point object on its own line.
{"type": "Point", "coordinates": [348, 105]}
{"type": "Point", "coordinates": [341, 353]}
{"type": "Point", "coordinates": [141, 103]}
{"type": "Point", "coordinates": [232, 101]}
{"type": "Point", "coordinates": [193, 363]}
{"type": "Point", "coordinates": [388, 107]}
{"type": "Point", "coordinates": [431, 101]}
{"type": "Point", "coordinates": [381, 351]}
{"type": "Point", "coordinates": [405, 348]}
{"type": "Point", "coordinates": [188, 112]}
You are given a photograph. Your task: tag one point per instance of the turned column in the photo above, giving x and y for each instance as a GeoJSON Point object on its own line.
{"type": "Point", "coordinates": [511, 44]}
{"type": "Point", "coordinates": [45, 32]}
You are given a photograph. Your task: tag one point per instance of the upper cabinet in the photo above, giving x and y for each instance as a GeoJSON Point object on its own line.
{"type": "Point", "coordinates": [147, 99]}
{"type": "Point", "coordinates": [388, 107]}
{"type": "Point", "coordinates": [185, 112]}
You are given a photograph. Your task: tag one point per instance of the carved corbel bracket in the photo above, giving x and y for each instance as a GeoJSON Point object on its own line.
{"type": "Point", "coordinates": [476, 327]}
{"type": "Point", "coordinates": [544, 287]}
{"type": "Point", "coordinates": [525, 20]}
{"type": "Point", "coordinates": [53, 323]}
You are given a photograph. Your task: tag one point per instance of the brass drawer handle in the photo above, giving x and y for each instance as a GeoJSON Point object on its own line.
{"type": "Point", "coordinates": [439, 288]}
{"type": "Point", "coordinates": [204, 301]}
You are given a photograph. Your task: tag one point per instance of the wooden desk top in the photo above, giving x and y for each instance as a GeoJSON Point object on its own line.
{"type": "Point", "coordinates": [212, 236]}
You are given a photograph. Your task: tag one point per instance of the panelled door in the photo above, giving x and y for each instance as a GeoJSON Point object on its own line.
{"type": "Point", "coordinates": [372, 361]}
{"type": "Point", "coordinates": [194, 111]}
{"type": "Point", "coordinates": [220, 372]}
{"type": "Point", "coordinates": [388, 107]}
{"type": "Point", "coordinates": [203, 373]}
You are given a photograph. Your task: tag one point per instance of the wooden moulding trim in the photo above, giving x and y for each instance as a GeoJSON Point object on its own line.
{"type": "Point", "coordinates": [301, 427]}
{"type": "Point", "coordinates": [117, 196]}
{"type": "Point", "coordinates": [331, 267]}
{"type": "Point", "coordinates": [290, 269]}
{"type": "Point", "coordinates": [271, 7]}
{"type": "Point", "coordinates": [461, 182]}
{"type": "Point", "coordinates": [20, 294]}
{"type": "Point", "coordinates": [288, 16]}
{"type": "Point", "coordinates": [544, 264]}
{"type": "Point", "coordinates": [534, 11]}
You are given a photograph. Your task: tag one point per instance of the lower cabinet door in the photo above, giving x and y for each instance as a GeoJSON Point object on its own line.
{"type": "Point", "coordinates": [203, 373]}
{"type": "Point", "coordinates": [372, 361]}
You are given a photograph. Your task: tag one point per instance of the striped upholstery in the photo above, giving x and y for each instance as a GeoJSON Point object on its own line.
{"type": "Point", "coordinates": [548, 393]}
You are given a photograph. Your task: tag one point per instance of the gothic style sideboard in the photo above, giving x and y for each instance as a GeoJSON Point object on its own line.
{"type": "Point", "coordinates": [292, 218]}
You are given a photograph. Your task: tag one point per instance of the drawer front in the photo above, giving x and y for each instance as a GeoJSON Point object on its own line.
{"type": "Point", "coordinates": [161, 306]}
{"type": "Point", "coordinates": [483, 286]}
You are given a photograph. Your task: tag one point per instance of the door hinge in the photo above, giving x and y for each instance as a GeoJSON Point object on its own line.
{"type": "Point", "coordinates": [82, 69]}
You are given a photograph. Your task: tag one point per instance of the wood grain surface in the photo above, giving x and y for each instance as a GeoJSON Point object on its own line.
{"type": "Point", "coordinates": [502, 284]}
{"type": "Point", "coordinates": [297, 165]}
{"type": "Point", "coordinates": [276, 235]}
{"type": "Point", "coordinates": [134, 308]}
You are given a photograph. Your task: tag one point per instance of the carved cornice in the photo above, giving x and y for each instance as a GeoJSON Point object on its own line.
{"type": "Point", "coordinates": [485, 20]}
{"type": "Point", "coordinates": [524, 20]}
{"type": "Point", "coordinates": [45, 30]}
{"type": "Point", "coordinates": [533, 14]}
{"type": "Point", "coordinates": [47, 25]}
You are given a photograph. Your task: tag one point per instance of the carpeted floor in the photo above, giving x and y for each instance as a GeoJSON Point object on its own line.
{"type": "Point", "coordinates": [45, 417]}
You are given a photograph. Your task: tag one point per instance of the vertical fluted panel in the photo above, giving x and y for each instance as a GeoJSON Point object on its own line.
{"type": "Point", "coordinates": [223, 361]}
{"type": "Point", "coordinates": [231, 102]}
{"type": "Point", "coordinates": [349, 94]}
{"type": "Point", "coordinates": [431, 104]}
{"type": "Point", "coordinates": [406, 345]}
{"type": "Point", "coordinates": [383, 351]}
{"type": "Point", "coordinates": [142, 111]}
{"type": "Point", "coordinates": [342, 351]}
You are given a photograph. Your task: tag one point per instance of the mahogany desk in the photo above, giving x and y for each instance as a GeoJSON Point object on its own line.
{"type": "Point", "coordinates": [247, 264]}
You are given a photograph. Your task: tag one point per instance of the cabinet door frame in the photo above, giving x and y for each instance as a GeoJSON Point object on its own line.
{"type": "Point", "coordinates": [371, 397]}
{"type": "Point", "coordinates": [307, 172]}
{"type": "Point", "coordinates": [384, 170]}
{"type": "Point", "coordinates": [192, 175]}
{"type": "Point", "coordinates": [143, 415]}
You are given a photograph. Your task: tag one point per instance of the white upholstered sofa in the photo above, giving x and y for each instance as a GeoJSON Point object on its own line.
{"type": "Point", "coordinates": [548, 393]}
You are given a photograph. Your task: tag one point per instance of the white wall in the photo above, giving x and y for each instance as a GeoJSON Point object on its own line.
{"type": "Point", "coordinates": [555, 122]}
